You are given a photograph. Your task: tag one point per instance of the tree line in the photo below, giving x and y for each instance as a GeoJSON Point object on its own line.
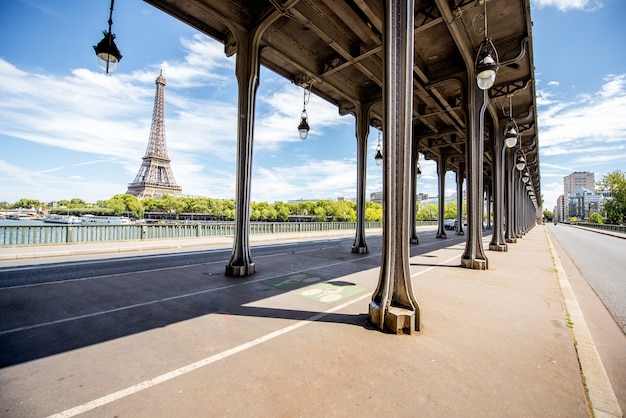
{"type": "Point", "coordinates": [224, 209]}
{"type": "Point", "coordinates": [318, 211]}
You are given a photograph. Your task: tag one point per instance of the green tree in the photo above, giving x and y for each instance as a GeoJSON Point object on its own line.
{"type": "Point", "coordinates": [373, 212]}
{"type": "Point", "coordinates": [615, 206]}
{"type": "Point", "coordinates": [121, 204]}
{"type": "Point", "coordinates": [320, 214]}
{"type": "Point", "coordinates": [150, 204]}
{"type": "Point", "coordinates": [77, 203]}
{"type": "Point", "coordinates": [428, 212]}
{"type": "Point", "coordinates": [282, 211]}
{"type": "Point", "coordinates": [549, 216]}
{"type": "Point", "coordinates": [596, 218]}
{"type": "Point", "coordinates": [171, 204]}
{"type": "Point", "coordinates": [449, 210]}
{"type": "Point", "coordinates": [27, 203]}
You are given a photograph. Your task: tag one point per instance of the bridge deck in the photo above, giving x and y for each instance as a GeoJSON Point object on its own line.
{"type": "Point", "coordinates": [293, 340]}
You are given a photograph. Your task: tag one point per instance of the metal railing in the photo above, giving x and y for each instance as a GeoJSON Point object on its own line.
{"type": "Point", "coordinates": [604, 227]}
{"type": "Point", "coordinates": [28, 235]}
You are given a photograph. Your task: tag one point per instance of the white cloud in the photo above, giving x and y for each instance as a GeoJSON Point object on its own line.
{"type": "Point", "coordinates": [565, 5]}
{"type": "Point", "coordinates": [309, 180]}
{"type": "Point", "coordinates": [591, 121]}
{"type": "Point", "coordinates": [554, 83]}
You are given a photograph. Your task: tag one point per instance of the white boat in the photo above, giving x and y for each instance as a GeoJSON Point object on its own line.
{"type": "Point", "coordinates": [54, 218]}
{"type": "Point", "coordinates": [104, 220]}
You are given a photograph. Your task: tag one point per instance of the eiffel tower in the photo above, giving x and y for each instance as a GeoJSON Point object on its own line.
{"type": "Point", "coordinates": [155, 177]}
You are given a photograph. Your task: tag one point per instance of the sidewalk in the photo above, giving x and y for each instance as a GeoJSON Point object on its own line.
{"type": "Point", "coordinates": [494, 343]}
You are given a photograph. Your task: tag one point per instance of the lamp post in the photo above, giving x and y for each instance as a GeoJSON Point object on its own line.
{"type": "Point", "coordinates": [106, 50]}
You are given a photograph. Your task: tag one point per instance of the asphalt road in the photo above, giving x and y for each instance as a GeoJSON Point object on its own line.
{"type": "Point", "coordinates": [98, 300]}
{"type": "Point", "coordinates": [601, 259]}
{"type": "Point", "coordinates": [97, 266]}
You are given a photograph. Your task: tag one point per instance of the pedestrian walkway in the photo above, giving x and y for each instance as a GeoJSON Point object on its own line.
{"type": "Point", "coordinates": [294, 340]}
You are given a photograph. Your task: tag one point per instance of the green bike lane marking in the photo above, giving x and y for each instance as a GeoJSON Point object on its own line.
{"type": "Point", "coordinates": [326, 292]}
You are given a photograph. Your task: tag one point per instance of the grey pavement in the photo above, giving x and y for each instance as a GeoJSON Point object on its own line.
{"type": "Point", "coordinates": [294, 340]}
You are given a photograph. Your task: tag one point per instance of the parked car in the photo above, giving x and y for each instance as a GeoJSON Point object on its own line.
{"type": "Point", "coordinates": [449, 224]}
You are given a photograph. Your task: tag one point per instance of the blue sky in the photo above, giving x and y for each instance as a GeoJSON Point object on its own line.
{"type": "Point", "coordinates": [67, 130]}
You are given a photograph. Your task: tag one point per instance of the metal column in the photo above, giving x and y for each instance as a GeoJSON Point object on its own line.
{"type": "Point", "coordinates": [362, 131]}
{"type": "Point", "coordinates": [459, 199]}
{"type": "Point", "coordinates": [441, 202]}
{"type": "Point", "coordinates": [474, 256]}
{"type": "Point", "coordinates": [393, 307]}
{"type": "Point", "coordinates": [498, 242]}
{"type": "Point", "coordinates": [414, 164]}
{"type": "Point", "coordinates": [247, 71]}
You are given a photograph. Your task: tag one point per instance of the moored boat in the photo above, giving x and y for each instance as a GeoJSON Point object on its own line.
{"type": "Point", "coordinates": [55, 218]}
{"type": "Point", "coordinates": [104, 220]}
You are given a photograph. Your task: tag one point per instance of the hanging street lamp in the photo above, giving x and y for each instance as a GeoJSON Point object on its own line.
{"type": "Point", "coordinates": [304, 127]}
{"type": "Point", "coordinates": [379, 155]}
{"type": "Point", "coordinates": [106, 50]}
{"type": "Point", "coordinates": [487, 62]}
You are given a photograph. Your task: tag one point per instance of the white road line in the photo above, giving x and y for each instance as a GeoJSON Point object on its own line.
{"type": "Point", "coordinates": [88, 406]}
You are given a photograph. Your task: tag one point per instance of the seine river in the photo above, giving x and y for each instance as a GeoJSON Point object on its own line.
{"type": "Point", "coordinates": [10, 222]}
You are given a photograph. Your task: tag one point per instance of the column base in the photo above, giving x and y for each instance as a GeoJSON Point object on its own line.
{"type": "Point", "coordinates": [474, 264]}
{"type": "Point", "coordinates": [460, 232]}
{"type": "Point", "coordinates": [396, 320]}
{"type": "Point", "coordinates": [441, 235]}
{"type": "Point", "coordinates": [415, 240]}
{"type": "Point", "coordinates": [498, 247]}
{"type": "Point", "coordinates": [360, 250]}
{"type": "Point", "coordinates": [511, 240]}
{"type": "Point", "coordinates": [239, 271]}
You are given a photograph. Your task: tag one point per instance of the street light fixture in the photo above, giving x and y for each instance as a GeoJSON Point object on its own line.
{"type": "Point", "coordinates": [525, 177]}
{"type": "Point", "coordinates": [487, 62]}
{"type": "Point", "coordinates": [520, 163]}
{"type": "Point", "coordinates": [379, 155]}
{"type": "Point", "coordinates": [303, 127]}
{"type": "Point", "coordinates": [511, 131]}
{"type": "Point", "coordinates": [106, 50]}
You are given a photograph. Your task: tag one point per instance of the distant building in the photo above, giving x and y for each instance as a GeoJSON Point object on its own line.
{"type": "Point", "coordinates": [579, 196]}
{"type": "Point", "coordinates": [577, 180]}
{"type": "Point", "coordinates": [376, 197]}
{"type": "Point", "coordinates": [584, 202]}
{"type": "Point", "coordinates": [560, 210]}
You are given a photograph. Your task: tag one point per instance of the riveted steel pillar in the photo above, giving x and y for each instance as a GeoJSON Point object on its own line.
{"type": "Point", "coordinates": [488, 198]}
{"type": "Point", "coordinates": [393, 307]}
{"type": "Point", "coordinates": [510, 198]}
{"type": "Point", "coordinates": [474, 256]}
{"type": "Point", "coordinates": [414, 165]}
{"type": "Point", "coordinates": [247, 71]}
{"type": "Point", "coordinates": [459, 199]}
{"type": "Point", "coordinates": [498, 242]}
{"type": "Point", "coordinates": [362, 130]}
{"type": "Point", "coordinates": [441, 199]}
{"type": "Point", "coordinates": [517, 225]}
